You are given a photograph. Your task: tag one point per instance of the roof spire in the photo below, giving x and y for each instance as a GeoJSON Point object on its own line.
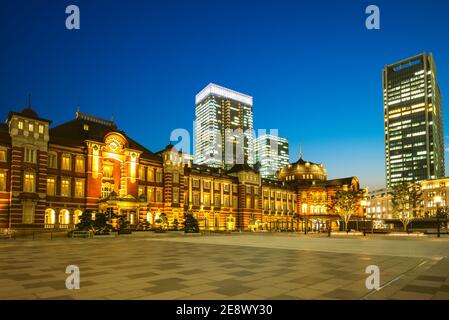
{"type": "Point", "coordinates": [300, 151]}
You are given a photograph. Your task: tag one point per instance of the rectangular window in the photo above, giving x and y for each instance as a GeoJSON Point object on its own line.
{"type": "Point", "coordinates": [79, 188]}
{"type": "Point", "coordinates": [226, 187]}
{"type": "Point", "coordinates": [29, 182]}
{"type": "Point", "coordinates": [41, 129]}
{"type": "Point", "coordinates": [235, 202]}
{"type": "Point", "coordinates": [2, 181]}
{"type": "Point", "coordinates": [79, 164]}
{"type": "Point", "coordinates": [20, 125]}
{"type": "Point", "coordinates": [142, 173]}
{"type": "Point", "coordinates": [196, 183]}
{"type": "Point", "coordinates": [217, 200]}
{"type": "Point", "coordinates": [107, 171]}
{"type": "Point", "coordinates": [51, 186]}
{"type": "Point", "coordinates": [65, 162]}
{"type": "Point", "coordinates": [206, 199]}
{"type": "Point", "coordinates": [140, 191]}
{"type": "Point", "coordinates": [28, 212]}
{"type": "Point", "coordinates": [31, 127]}
{"type": "Point", "coordinates": [2, 155]}
{"type": "Point", "coordinates": [175, 195]}
{"type": "Point", "coordinates": [158, 195]}
{"type": "Point", "coordinates": [248, 202]}
{"type": "Point", "coordinates": [206, 185]}
{"type": "Point", "coordinates": [226, 201]}
{"type": "Point", "coordinates": [234, 188]}
{"type": "Point", "coordinates": [175, 177]}
{"type": "Point", "coordinates": [159, 176]}
{"type": "Point", "coordinates": [150, 194]}
{"type": "Point", "coordinates": [248, 189]}
{"type": "Point", "coordinates": [256, 202]}
{"type": "Point", "coordinates": [30, 155]}
{"type": "Point", "coordinates": [150, 174]}
{"type": "Point", "coordinates": [52, 160]}
{"type": "Point", "coordinates": [196, 199]}
{"type": "Point", "coordinates": [65, 187]}
{"type": "Point", "coordinates": [217, 186]}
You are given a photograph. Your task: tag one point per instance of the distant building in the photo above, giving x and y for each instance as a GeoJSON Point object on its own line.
{"type": "Point", "coordinates": [379, 205]}
{"type": "Point", "coordinates": [414, 139]}
{"type": "Point", "coordinates": [223, 128]}
{"type": "Point", "coordinates": [272, 154]}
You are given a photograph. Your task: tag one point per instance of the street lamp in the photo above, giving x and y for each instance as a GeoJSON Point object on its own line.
{"type": "Point", "coordinates": [438, 200]}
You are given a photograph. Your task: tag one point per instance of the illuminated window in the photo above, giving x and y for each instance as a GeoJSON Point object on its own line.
{"type": "Point", "coordinates": [226, 187]}
{"type": "Point", "coordinates": [41, 129]}
{"type": "Point", "coordinates": [51, 186]}
{"type": "Point", "coordinates": [20, 125]}
{"type": "Point", "coordinates": [142, 173]}
{"type": "Point", "coordinates": [150, 194]}
{"type": "Point", "coordinates": [159, 175]}
{"type": "Point", "coordinates": [79, 188]}
{"type": "Point", "coordinates": [140, 190]}
{"type": "Point", "coordinates": [29, 182]}
{"type": "Point", "coordinates": [106, 190]}
{"type": "Point", "coordinates": [85, 127]}
{"type": "Point", "coordinates": [217, 186]}
{"type": "Point", "coordinates": [79, 164]}
{"type": "Point", "coordinates": [234, 188]}
{"type": "Point", "coordinates": [248, 202]}
{"type": "Point", "coordinates": [158, 195]}
{"type": "Point", "coordinates": [66, 162]}
{"type": "Point", "coordinates": [2, 155]}
{"type": "Point", "coordinates": [217, 200]}
{"type": "Point", "coordinates": [206, 185]}
{"type": "Point", "coordinates": [28, 212]}
{"type": "Point", "coordinates": [31, 127]}
{"type": "Point", "coordinates": [30, 155]}
{"type": "Point", "coordinates": [256, 202]}
{"type": "Point", "coordinates": [226, 201]}
{"type": "Point", "coordinates": [2, 181]}
{"type": "Point", "coordinates": [175, 177]}
{"type": "Point", "coordinates": [150, 174]}
{"type": "Point", "coordinates": [196, 199]}
{"type": "Point", "coordinates": [175, 195]}
{"type": "Point", "coordinates": [65, 187]}
{"type": "Point", "coordinates": [52, 160]}
{"type": "Point", "coordinates": [107, 171]}
{"type": "Point", "coordinates": [196, 183]}
{"type": "Point", "coordinates": [206, 200]}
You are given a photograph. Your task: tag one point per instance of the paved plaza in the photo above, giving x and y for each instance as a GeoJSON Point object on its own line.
{"type": "Point", "coordinates": [240, 266]}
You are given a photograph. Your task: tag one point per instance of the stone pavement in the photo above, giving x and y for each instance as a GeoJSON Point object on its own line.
{"type": "Point", "coordinates": [224, 267]}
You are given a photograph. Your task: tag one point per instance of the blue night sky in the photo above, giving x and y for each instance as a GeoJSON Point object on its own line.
{"type": "Point", "coordinates": [313, 68]}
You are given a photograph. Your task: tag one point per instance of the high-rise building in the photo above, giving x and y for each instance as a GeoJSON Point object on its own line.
{"type": "Point", "coordinates": [223, 127]}
{"type": "Point", "coordinates": [272, 154]}
{"type": "Point", "coordinates": [414, 140]}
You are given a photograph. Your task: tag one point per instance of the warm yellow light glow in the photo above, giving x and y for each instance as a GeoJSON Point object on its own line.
{"type": "Point", "coordinates": [437, 199]}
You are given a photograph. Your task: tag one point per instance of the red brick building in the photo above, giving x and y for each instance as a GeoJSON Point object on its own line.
{"type": "Point", "coordinates": [50, 175]}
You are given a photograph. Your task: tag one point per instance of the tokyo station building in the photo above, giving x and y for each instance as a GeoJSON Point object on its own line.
{"type": "Point", "coordinates": [49, 175]}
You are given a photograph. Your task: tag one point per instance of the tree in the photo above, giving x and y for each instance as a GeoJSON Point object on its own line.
{"type": "Point", "coordinates": [85, 223]}
{"type": "Point", "coordinates": [406, 199]}
{"type": "Point", "coordinates": [346, 203]}
{"type": "Point", "coordinates": [101, 224]}
{"type": "Point", "coordinates": [191, 224]}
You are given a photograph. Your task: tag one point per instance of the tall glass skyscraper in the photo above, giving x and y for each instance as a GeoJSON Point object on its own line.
{"type": "Point", "coordinates": [223, 127]}
{"type": "Point", "coordinates": [414, 139]}
{"type": "Point", "coordinates": [272, 154]}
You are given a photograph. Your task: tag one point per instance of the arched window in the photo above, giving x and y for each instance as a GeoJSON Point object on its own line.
{"type": "Point", "coordinates": [64, 216]}
{"type": "Point", "coordinates": [76, 216]}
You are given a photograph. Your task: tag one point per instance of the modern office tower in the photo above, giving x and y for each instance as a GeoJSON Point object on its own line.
{"type": "Point", "coordinates": [272, 154]}
{"type": "Point", "coordinates": [414, 140]}
{"type": "Point", "coordinates": [223, 128]}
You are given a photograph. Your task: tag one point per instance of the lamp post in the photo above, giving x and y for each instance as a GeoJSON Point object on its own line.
{"type": "Point", "coordinates": [437, 200]}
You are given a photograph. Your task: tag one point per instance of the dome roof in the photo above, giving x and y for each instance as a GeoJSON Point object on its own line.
{"type": "Point", "coordinates": [303, 170]}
